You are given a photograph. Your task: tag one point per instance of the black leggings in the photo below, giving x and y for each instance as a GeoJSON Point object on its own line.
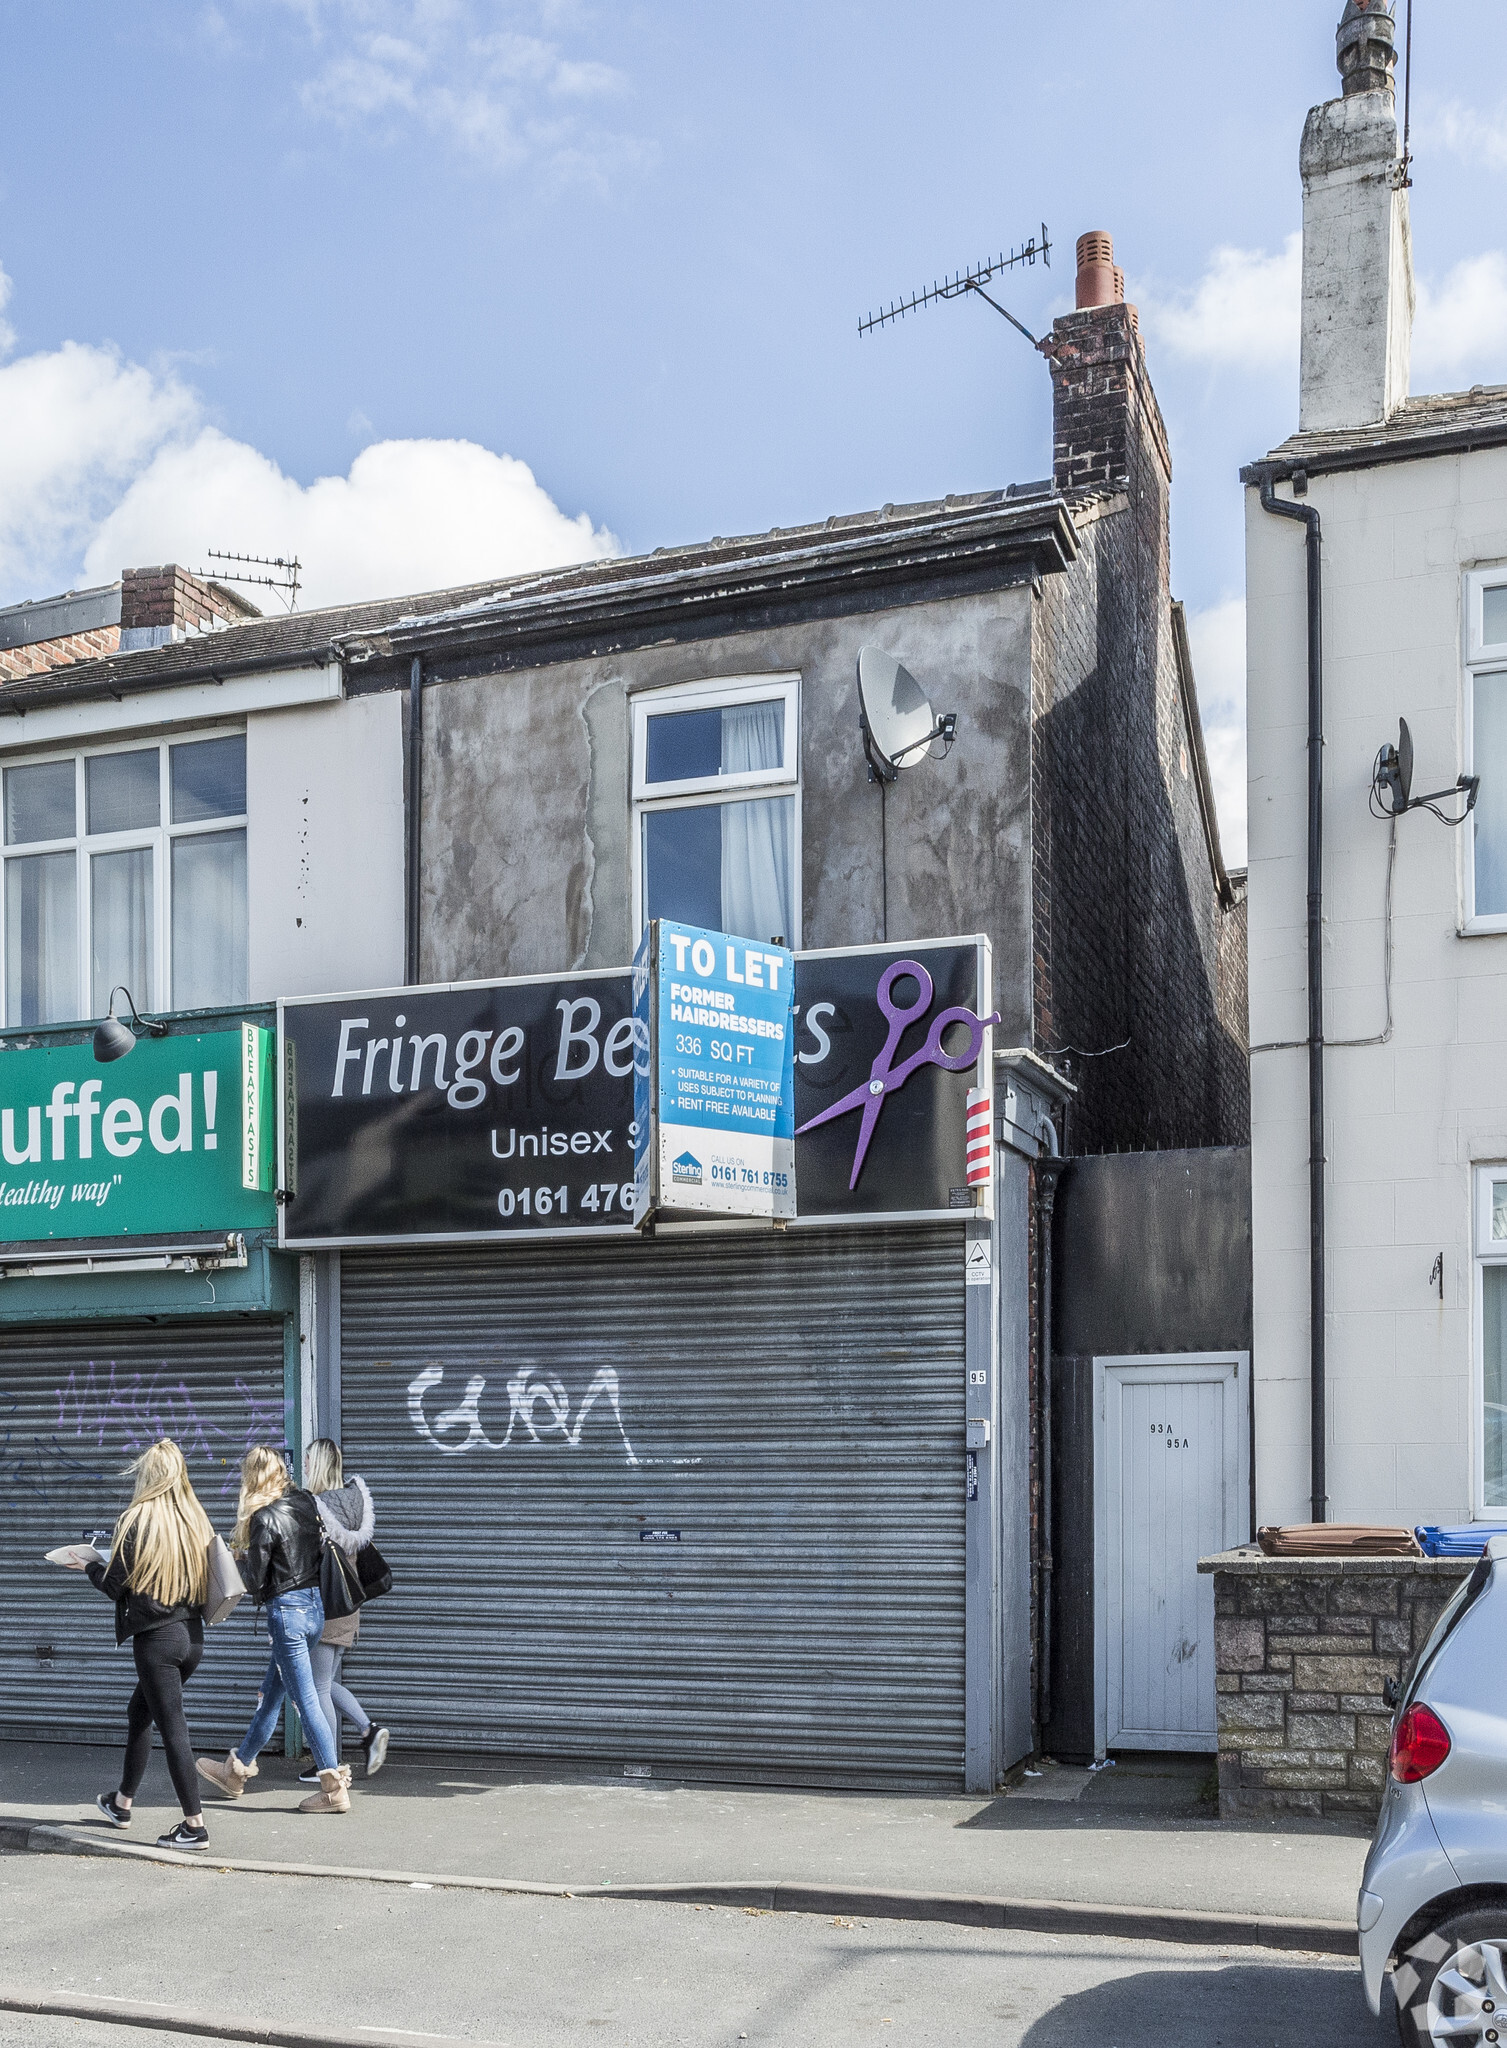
{"type": "Point", "coordinates": [166, 1658]}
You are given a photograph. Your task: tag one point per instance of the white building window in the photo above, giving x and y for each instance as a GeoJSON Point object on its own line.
{"type": "Point", "coordinates": [1491, 1333]}
{"type": "Point", "coordinates": [1486, 747]}
{"type": "Point", "coordinates": [126, 865]}
{"type": "Point", "coordinates": [716, 812]}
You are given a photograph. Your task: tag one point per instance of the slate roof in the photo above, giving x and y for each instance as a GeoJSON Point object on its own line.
{"type": "Point", "coordinates": [1444, 423]}
{"type": "Point", "coordinates": [1030, 517]}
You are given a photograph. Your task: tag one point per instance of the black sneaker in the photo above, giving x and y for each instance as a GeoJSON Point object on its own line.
{"type": "Point", "coordinates": [310, 1776]}
{"type": "Point", "coordinates": [374, 1749]}
{"type": "Point", "coordinates": [184, 1837]}
{"type": "Point", "coordinates": [117, 1816]}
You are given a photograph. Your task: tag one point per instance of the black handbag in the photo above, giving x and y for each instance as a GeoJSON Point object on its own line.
{"type": "Point", "coordinates": [374, 1572]}
{"type": "Point", "coordinates": [339, 1584]}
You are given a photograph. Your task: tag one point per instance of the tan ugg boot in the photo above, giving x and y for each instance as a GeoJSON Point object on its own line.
{"type": "Point", "coordinates": [228, 1778]}
{"type": "Point", "coordinates": [334, 1794]}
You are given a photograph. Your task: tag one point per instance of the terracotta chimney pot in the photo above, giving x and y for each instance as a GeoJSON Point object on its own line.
{"type": "Point", "coordinates": [1099, 282]}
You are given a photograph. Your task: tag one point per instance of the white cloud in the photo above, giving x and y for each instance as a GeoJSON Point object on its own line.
{"type": "Point", "coordinates": [1480, 138]}
{"type": "Point", "coordinates": [1245, 313]}
{"type": "Point", "coordinates": [1462, 326]}
{"type": "Point", "coordinates": [502, 96]}
{"type": "Point", "coordinates": [1217, 637]}
{"type": "Point", "coordinates": [409, 516]}
{"type": "Point", "coordinates": [1244, 310]}
{"type": "Point", "coordinates": [106, 465]}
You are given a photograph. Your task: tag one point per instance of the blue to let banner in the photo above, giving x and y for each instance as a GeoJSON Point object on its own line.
{"type": "Point", "coordinates": [719, 1082]}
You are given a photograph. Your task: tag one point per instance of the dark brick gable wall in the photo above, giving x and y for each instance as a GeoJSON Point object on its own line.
{"type": "Point", "coordinates": [1139, 953]}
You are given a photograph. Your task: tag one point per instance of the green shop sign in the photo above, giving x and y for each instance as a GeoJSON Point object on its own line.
{"type": "Point", "coordinates": [176, 1137]}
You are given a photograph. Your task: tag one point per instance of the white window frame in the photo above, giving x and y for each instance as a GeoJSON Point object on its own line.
{"type": "Point", "coordinates": [1488, 1251]}
{"type": "Point", "coordinates": [84, 844]}
{"type": "Point", "coordinates": [1482, 658]}
{"type": "Point", "coordinates": [691, 792]}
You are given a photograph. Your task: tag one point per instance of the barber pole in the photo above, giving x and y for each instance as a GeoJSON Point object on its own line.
{"type": "Point", "coordinates": [979, 1141]}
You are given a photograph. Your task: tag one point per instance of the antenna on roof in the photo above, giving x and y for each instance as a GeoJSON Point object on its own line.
{"type": "Point", "coordinates": [963, 281]}
{"type": "Point", "coordinates": [288, 581]}
{"type": "Point", "coordinates": [1406, 167]}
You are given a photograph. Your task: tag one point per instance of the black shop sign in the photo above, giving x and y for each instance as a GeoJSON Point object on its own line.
{"type": "Point", "coordinates": [494, 1109]}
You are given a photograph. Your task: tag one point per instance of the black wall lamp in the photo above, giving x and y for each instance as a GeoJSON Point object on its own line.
{"type": "Point", "coordinates": [113, 1038]}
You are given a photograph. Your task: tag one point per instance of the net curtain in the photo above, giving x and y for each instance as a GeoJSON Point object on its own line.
{"type": "Point", "coordinates": [756, 835]}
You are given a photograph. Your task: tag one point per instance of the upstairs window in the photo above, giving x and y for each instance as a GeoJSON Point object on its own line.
{"type": "Point", "coordinates": [1486, 747]}
{"type": "Point", "coordinates": [126, 866]}
{"type": "Point", "coordinates": [716, 813]}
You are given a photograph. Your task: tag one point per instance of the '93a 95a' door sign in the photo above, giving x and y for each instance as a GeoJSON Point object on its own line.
{"type": "Point", "coordinates": [491, 1109]}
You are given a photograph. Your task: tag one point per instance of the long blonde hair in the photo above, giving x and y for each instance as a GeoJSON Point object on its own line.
{"type": "Point", "coordinates": [323, 1471]}
{"type": "Point", "coordinates": [170, 1531]}
{"type": "Point", "coordinates": [264, 1479]}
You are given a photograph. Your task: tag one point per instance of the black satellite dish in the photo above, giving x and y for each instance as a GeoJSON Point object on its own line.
{"type": "Point", "coordinates": [895, 715]}
{"type": "Point", "coordinates": [1394, 773]}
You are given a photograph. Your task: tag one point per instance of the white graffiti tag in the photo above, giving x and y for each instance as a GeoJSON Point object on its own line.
{"type": "Point", "coordinates": [528, 1391]}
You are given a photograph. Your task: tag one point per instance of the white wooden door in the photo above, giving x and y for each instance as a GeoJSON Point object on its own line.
{"type": "Point", "coordinates": [1172, 1442]}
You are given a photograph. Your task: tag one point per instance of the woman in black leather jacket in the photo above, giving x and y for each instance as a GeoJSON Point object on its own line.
{"type": "Point", "coordinates": [277, 1536]}
{"type": "Point", "coordinates": [156, 1574]}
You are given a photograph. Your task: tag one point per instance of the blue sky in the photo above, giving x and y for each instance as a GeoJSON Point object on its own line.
{"type": "Point", "coordinates": [251, 244]}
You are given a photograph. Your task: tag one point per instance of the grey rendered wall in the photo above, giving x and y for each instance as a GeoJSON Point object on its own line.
{"type": "Point", "coordinates": [527, 799]}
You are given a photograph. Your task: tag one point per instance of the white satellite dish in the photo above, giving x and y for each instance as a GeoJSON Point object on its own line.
{"type": "Point", "coordinates": [895, 715]}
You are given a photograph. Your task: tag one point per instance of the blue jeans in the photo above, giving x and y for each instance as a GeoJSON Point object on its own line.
{"type": "Point", "coordinates": [295, 1622]}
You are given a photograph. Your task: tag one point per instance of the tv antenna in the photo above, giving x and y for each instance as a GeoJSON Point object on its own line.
{"type": "Point", "coordinates": [964, 281]}
{"type": "Point", "coordinates": [288, 581]}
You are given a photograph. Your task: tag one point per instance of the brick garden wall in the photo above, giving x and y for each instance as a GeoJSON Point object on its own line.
{"type": "Point", "coordinates": [1303, 1647]}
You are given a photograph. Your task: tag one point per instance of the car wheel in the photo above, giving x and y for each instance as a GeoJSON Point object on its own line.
{"type": "Point", "coordinates": [1451, 1983]}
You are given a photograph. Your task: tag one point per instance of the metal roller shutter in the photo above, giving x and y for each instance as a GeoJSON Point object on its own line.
{"type": "Point", "coordinates": [77, 1403]}
{"type": "Point", "coordinates": [696, 1504]}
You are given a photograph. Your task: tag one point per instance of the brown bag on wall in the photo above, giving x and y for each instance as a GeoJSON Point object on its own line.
{"type": "Point", "coordinates": [1337, 1539]}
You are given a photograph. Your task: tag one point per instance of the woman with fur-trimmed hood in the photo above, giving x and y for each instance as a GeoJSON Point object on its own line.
{"type": "Point", "coordinates": [349, 1520]}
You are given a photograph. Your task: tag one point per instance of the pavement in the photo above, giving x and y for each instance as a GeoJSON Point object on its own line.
{"type": "Point", "coordinates": [1135, 1850]}
{"type": "Point", "coordinates": [105, 1953]}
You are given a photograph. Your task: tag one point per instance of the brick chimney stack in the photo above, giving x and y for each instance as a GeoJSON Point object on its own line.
{"type": "Point", "coordinates": [164, 604]}
{"type": "Point", "coordinates": [1106, 425]}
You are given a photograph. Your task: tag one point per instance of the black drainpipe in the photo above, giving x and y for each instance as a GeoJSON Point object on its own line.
{"type": "Point", "coordinates": [1314, 542]}
{"type": "Point", "coordinates": [415, 818]}
{"type": "Point", "coordinates": [1047, 1172]}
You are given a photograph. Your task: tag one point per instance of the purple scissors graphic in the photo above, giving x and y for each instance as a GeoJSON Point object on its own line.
{"type": "Point", "coordinates": [884, 1079]}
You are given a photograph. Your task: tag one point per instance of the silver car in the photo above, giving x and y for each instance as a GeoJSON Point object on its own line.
{"type": "Point", "coordinates": [1433, 1898]}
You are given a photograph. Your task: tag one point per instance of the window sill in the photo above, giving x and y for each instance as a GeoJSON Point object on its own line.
{"type": "Point", "coordinates": [1482, 928]}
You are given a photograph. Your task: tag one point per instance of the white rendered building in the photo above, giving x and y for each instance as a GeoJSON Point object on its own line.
{"type": "Point", "coordinates": [1402, 1235]}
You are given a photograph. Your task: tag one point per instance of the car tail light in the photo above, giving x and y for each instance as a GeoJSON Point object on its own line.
{"type": "Point", "coordinates": [1420, 1743]}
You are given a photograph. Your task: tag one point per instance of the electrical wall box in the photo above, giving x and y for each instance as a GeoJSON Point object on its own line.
{"type": "Point", "coordinates": [978, 1432]}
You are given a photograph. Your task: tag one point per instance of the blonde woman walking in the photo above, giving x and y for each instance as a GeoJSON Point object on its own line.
{"type": "Point", "coordinates": [157, 1574]}
{"type": "Point", "coordinates": [350, 1522]}
{"type": "Point", "coordinates": [277, 1538]}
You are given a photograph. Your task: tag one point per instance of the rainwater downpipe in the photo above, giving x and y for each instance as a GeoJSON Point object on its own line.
{"type": "Point", "coordinates": [1285, 509]}
{"type": "Point", "coordinates": [415, 819]}
{"type": "Point", "coordinates": [1047, 1171]}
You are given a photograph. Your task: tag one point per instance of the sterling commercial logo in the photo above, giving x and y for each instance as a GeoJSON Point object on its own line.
{"type": "Point", "coordinates": [686, 1168]}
